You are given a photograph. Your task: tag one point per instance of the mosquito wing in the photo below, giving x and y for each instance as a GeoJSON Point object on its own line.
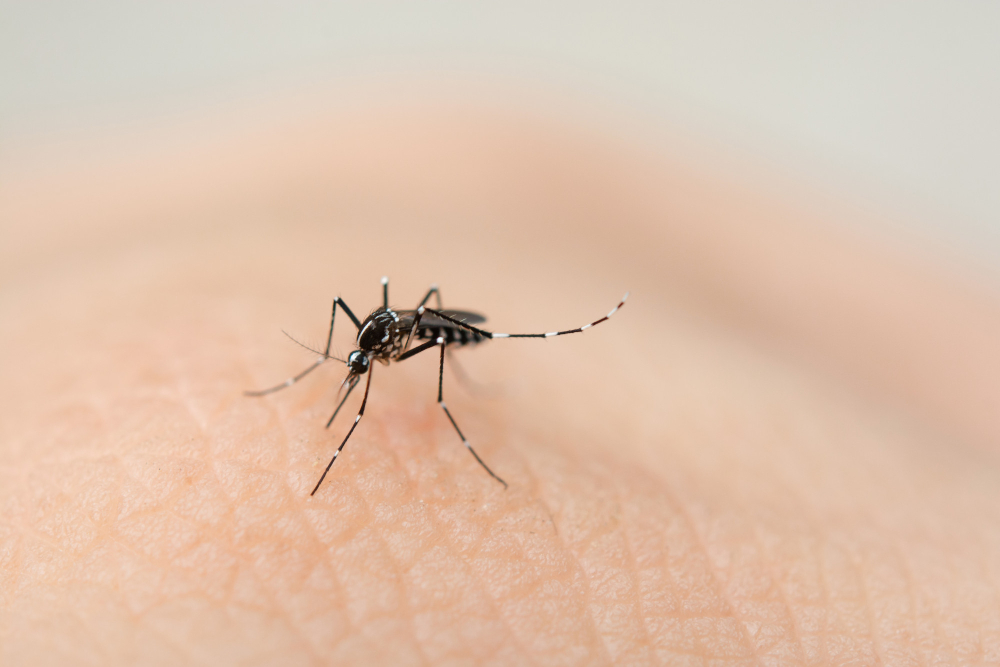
{"type": "Point", "coordinates": [430, 320]}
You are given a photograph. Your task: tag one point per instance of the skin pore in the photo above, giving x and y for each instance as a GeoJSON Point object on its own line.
{"type": "Point", "coordinates": [783, 449]}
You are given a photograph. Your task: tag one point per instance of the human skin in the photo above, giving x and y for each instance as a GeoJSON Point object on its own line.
{"type": "Point", "coordinates": [783, 449]}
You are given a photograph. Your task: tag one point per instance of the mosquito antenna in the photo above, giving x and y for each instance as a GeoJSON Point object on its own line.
{"type": "Point", "coordinates": [301, 344]}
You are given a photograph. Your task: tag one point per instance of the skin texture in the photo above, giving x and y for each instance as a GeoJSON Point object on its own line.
{"type": "Point", "coordinates": [782, 451]}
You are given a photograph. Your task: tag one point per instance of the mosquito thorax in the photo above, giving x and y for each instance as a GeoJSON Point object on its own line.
{"type": "Point", "coordinates": [379, 332]}
{"type": "Point", "coordinates": [358, 362]}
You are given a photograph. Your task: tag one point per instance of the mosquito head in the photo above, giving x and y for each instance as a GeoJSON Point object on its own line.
{"type": "Point", "coordinates": [358, 362]}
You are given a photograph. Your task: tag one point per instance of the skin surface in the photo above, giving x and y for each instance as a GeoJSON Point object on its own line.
{"type": "Point", "coordinates": [782, 451]}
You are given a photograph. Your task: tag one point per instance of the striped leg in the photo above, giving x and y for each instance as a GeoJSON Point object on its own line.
{"type": "Point", "coordinates": [550, 334]}
{"type": "Point", "coordinates": [437, 294]}
{"type": "Point", "coordinates": [350, 387]}
{"type": "Point", "coordinates": [440, 341]}
{"type": "Point", "coordinates": [420, 313]}
{"type": "Point", "coordinates": [361, 412]}
{"type": "Point", "coordinates": [319, 361]}
{"type": "Point", "coordinates": [289, 382]}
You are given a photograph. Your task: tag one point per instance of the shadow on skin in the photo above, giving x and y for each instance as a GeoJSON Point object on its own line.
{"type": "Point", "coordinates": [718, 474]}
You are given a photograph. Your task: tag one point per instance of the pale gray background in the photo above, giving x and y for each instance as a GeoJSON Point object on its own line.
{"type": "Point", "coordinates": [893, 104]}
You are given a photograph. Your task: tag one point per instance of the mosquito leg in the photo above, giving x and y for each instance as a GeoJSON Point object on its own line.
{"type": "Point", "coordinates": [440, 341]}
{"type": "Point", "coordinates": [326, 354]}
{"type": "Point", "coordinates": [350, 387]}
{"type": "Point", "coordinates": [385, 292]}
{"type": "Point", "coordinates": [333, 316]}
{"type": "Point", "coordinates": [340, 302]}
{"type": "Point", "coordinates": [413, 329]}
{"type": "Point", "coordinates": [289, 382]}
{"type": "Point", "coordinates": [436, 292]}
{"type": "Point", "coordinates": [426, 346]}
{"type": "Point", "coordinates": [417, 350]}
{"type": "Point", "coordinates": [420, 313]}
{"type": "Point", "coordinates": [550, 334]}
{"type": "Point", "coordinates": [361, 413]}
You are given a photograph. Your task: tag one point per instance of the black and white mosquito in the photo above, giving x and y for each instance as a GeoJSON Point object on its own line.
{"type": "Point", "coordinates": [386, 335]}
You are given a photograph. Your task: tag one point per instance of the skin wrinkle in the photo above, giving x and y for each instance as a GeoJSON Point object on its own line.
{"type": "Point", "coordinates": [684, 487]}
{"type": "Point", "coordinates": [301, 512]}
{"type": "Point", "coordinates": [826, 541]}
{"type": "Point", "coordinates": [940, 634]}
{"type": "Point", "coordinates": [404, 595]}
{"type": "Point", "coordinates": [981, 649]}
{"type": "Point", "coordinates": [827, 598]}
{"type": "Point", "coordinates": [811, 520]}
{"type": "Point", "coordinates": [809, 604]}
{"type": "Point", "coordinates": [524, 653]}
{"type": "Point", "coordinates": [776, 583]}
{"type": "Point", "coordinates": [561, 538]}
{"type": "Point", "coordinates": [534, 586]}
{"type": "Point", "coordinates": [168, 502]}
{"type": "Point", "coordinates": [418, 557]}
{"type": "Point", "coordinates": [911, 589]}
{"type": "Point", "coordinates": [752, 594]}
{"type": "Point", "coordinates": [719, 586]}
{"type": "Point", "coordinates": [859, 570]}
{"type": "Point", "coordinates": [995, 585]}
{"type": "Point", "coordinates": [593, 622]}
{"type": "Point", "coordinates": [977, 620]}
{"type": "Point", "coordinates": [659, 569]}
{"type": "Point", "coordinates": [822, 612]}
{"type": "Point", "coordinates": [164, 505]}
{"type": "Point", "coordinates": [857, 575]}
{"type": "Point", "coordinates": [588, 601]}
{"type": "Point", "coordinates": [401, 588]}
{"type": "Point", "coordinates": [352, 537]}
{"type": "Point", "coordinates": [525, 590]}
{"type": "Point", "coordinates": [207, 471]}
{"type": "Point", "coordinates": [637, 607]}
{"type": "Point", "coordinates": [690, 616]}
{"type": "Point", "coordinates": [415, 559]}
{"type": "Point", "coordinates": [56, 547]}
{"type": "Point", "coordinates": [937, 630]}
{"type": "Point", "coordinates": [428, 548]}
{"type": "Point", "coordinates": [634, 577]}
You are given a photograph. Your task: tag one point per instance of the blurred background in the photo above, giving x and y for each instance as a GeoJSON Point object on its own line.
{"type": "Point", "coordinates": [889, 105]}
{"type": "Point", "coordinates": [817, 178]}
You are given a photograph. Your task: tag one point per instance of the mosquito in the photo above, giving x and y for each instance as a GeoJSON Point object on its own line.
{"type": "Point", "coordinates": [388, 335]}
